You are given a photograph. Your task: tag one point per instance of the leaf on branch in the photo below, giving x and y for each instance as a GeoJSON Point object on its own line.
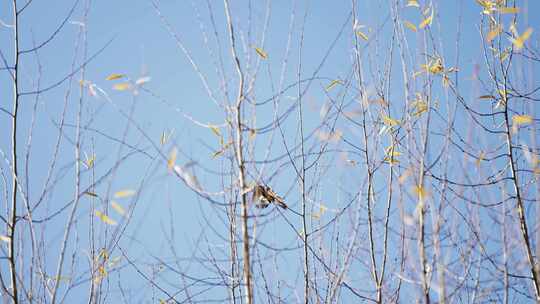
{"type": "Point", "coordinates": [480, 158]}
{"type": "Point", "coordinates": [434, 66]}
{"type": "Point", "coordinates": [118, 208]}
{"type": "Point", "coordinates": [171, 161]}
{"type": "Point", "coordinates": [223, 149]}
{"type": "Point", "coordinates": [261, 53]}
{"type": "Point", "coordinates": [215, 130]}
{"type": "Point", "coordinates": [522, 119]}
{"type": "Point", "coordinates": [391, 155]}
{"type": "Point", "coordinates": [390, 121]}
{"type": "Point", "coordinates": [115, 76]}
{"type": "Point", "coordinates": [403, 178]}
{"type": "Point", "coordinates": [122, 86]}
{"type": "Point", "coordinates": [89, 161]}
{"type": "Point", "coordinates": [124, 193]}
{"type": "Point", "coordinates": [333, 84]}
{"type": "Point", "coordinates": [508, 10]}
{"type": "Point", "coordinates": [165, 137]}
{"type": "Point", "coordinates": [494, 33]}
{"type": "Point", "coordinates": [419, 106]}
{"type": "Point", "coordinates": [427, 21]}
{"type": "Point", "coordinates": [413, 3]}
{"type": "Point", "coordinates": [519, 41]}
{"type": "Point", "coordinates": [362, 35]}
{"type": "Point", "coordinates": [4, 238]}
{"type": "Point", "coordinates": [104, 218]}
{"type": "Point", "coordinates": [410, 26]}
{"type": "Point", "coordinates": [420, 192]}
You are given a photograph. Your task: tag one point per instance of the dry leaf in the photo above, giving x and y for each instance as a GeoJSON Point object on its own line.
{"type": "Point", "coordinates": [115, 76]}
{"type": "Point", "coordinates": [410, 26]}
{"type": "Point", "coordinates": [89, 161]}
{"type": "Point", "coordinates": [172, 158]}
{"type": "Point", "coordinates": [520, 40]}
{"type": "Point", "coordinates": [124, 193]}
{"type": "Point", "coordinates": [122, 86]}
{"type": "Point", "coordinates": [487, 97]}
{"type": "Point", "coordinates": [90, 193]}
{"type": "Point", "coordinates": [362, 35]}
{"type": "Point", "coordinates": [215, 130]}
{"type": "Point", "coordinates": [261, 53]}
{"type": "Point", "coordinates": [508, 10]}
{"type": "Point", "coordinates": [390, 121]}
{"type": "Point", "coordinates": [333, 84]}
{"type": "Point", "coordinates": [480, 158]}
{"type": "Point", "coordinates": [426, 21]}
{"type": "Point", "coordinates": [522, 119]}
{"type": "Point", "coordinates": [413, 3]}
{"type": "Point", "coordinates": [104, 218]}
{"type": "Point", "coordinates": [118, 208]}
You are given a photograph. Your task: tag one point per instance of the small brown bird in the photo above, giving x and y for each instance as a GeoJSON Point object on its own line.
{"type": "Point", "coordinates": [264, 195]}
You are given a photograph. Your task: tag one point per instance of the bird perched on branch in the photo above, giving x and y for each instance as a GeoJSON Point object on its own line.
{"type": "Point", "coordinates": [264, 196]}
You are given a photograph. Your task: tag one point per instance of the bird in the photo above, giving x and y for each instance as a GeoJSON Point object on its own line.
{"type": "Point", "coordinates": [264, 196]}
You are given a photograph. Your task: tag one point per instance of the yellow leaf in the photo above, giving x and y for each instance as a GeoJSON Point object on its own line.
{"type": "Point", "coordinates": [480, 158]}
{"type": "Point", "coordinates": [520, 41]}
{"type": "Point", "coordinates": [390, 121]}
{"type": "Point", "coordinates": [413, 3]}
{"type": "Point", "coordinates": [486, 4]}
{"type": "Point", "coordinates": [436, 66]}
{"type": "Point", "coordinates": [333, 84]}
{"type": "Point", "coordinates": [419, 105]}
{"type": "Point", "coordinates": [362, 35]}
{"type": "Point", "coordinates": [410, 26]}
{"type": "Point", "coordinates": [418, 73]}
{"type": "Point", "coordinates": [508, 10]}
{"type": "Point", "coordinates": [391, 155]}
{"type": "Point", "coordinates": [513, 29]}
{"type": "Point", "coordinates": [89, 161]}
{"type": "Point", "coordinates": [124, 193]}
{"type": "Point", "coordinates": [220, 152]}
{"type": "Point", "coordinates": [104, 218]}
{"type": "Point", "coordinates": [494, 33]}
{"type": "Point", "coordinates": [118, 208]}
{"type": "Point", "coordinates": [426, 21]}
{"type": "Point", "coordinates": [522, 119]}
{"type": "Point", "coordinates": [420, 192]}
{"type": "Point", "coordinates": [115, 76]}
{"type": "Point", "coordinates": [5, 238]}
{"type": "Point", "coordinates": [172, 158]}
{"type": "Point", "coordinates": [215, 130]}
{"type": "Point", "coordinates": [391, 151]}
{"type": "Point", "coordinates": [504, 54]}
{"type": "Point", "coordinates": [122, 86]}
{"type": "Point", "coordinates": [165, 137]}
{"type": "Point", "coordinates": [261, 53]}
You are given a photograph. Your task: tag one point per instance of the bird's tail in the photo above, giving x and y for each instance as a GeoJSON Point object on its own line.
{"type": "Point", "coordinates": [279, 201]}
